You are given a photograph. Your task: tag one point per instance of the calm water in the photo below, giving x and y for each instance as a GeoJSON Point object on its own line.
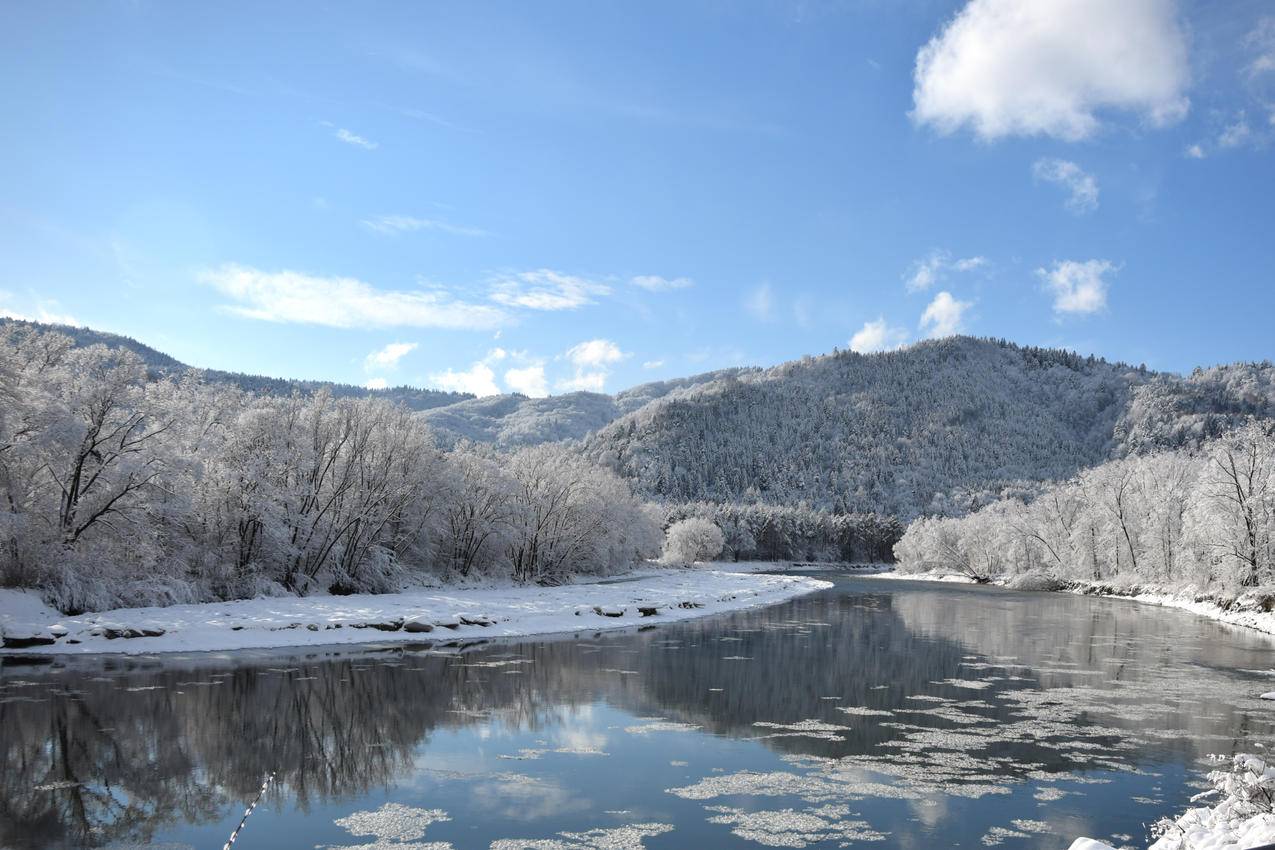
{"type": "Point", "coordinates": [876, 714]}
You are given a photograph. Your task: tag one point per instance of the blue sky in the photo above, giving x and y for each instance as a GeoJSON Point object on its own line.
{"type": "Point", "coordinates": [551, 196]}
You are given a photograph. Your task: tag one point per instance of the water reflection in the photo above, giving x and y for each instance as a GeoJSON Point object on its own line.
{"type": "Point", "coordinates": [875, 712]}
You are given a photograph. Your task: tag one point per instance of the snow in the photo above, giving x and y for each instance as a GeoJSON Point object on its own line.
{"type": "Point", "coordinates": [1242, 818]}
{"type": "Point", "coordinates": [433, 613]}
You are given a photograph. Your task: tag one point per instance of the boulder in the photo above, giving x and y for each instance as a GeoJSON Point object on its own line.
{"type": "Point", "coordinates": [25, 641]}
{"type": "Point", "coordinates": [608, 612]}
{"type": "Point", "coordinates": [418, 627]}
{"type": "Point", "coordinates": [648, 610]}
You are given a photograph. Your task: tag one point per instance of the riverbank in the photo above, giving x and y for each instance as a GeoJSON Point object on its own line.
{"type": "Point", "coordinates": [1242, 817]}
{"type": "Point", "coordinates": [1245, 611]}
{"type": "Point", "coordinates": [647, 597]}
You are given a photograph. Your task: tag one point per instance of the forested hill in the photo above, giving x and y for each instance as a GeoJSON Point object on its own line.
{"type": "Point", "coordinates": [515, 420]}
{"type": "Point", "coordinates": [939, 427]}
{"type": "Point", "coordinates": [161, 365]}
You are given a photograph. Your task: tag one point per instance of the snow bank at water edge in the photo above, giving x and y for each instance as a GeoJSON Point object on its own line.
{"type": "Point", "coordinates": [28, 626]}
{"type": "Point", "coordinates": [1243, 818]}
{"type": "Point", "coordinates": [1246, 611]}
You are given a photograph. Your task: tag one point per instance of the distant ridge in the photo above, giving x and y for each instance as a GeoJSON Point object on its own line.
{"type": "Point", "coordinates": [162, 365]}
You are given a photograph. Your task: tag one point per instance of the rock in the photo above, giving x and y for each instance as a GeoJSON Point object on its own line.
{"type": "Point", "coordinates": [608, 612]}
{"type": "Point", "coordinates": [452, 626]}
{"type": "Point", "coordinates": [127, 633]}
{"type": "Point", "coordinates": [417, 627]}
{"type": "Point", "coordinates": [690, 605]}
{"type": "Point", "coordinates": [72, 640]}
{"type": "Point", "coordinates": [24, 641]}
{"type": "Point", "coordinates": [648, 610]}
{"type": "Point", "coordinates": [236, 628]}
{"type": "Point", "coordinates": [59, 631]}
{"type": "Point", "coordinates": [1034, 581]}
{"type": "Point", "coordinates": [1267, 695]}
{"type": "Point", "coordinates": [391, 626]}
{"type": "Point", "coordinates": [312, 627]}
{"type": "Point", "coordinates": [153, 631]}
{"type": "Point", "coordinates": [475, 620]}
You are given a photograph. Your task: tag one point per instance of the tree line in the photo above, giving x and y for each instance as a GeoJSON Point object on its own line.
{"type": "Point", "coordinates": [120, 490]}
{"type": "Point", "coordinates": [1192, 518]}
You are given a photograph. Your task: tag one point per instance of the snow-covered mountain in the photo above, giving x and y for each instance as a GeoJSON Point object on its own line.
{"type": "Point", "coordinates": [938, 427]}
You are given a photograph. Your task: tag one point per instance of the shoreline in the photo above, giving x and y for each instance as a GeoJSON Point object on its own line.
{"type": "Point", "coordinates": [1183, 600]}
{"type": "Point", "coordinates": [644, 597]}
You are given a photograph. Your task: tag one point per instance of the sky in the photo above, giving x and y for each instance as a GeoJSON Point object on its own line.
{"type": "Point", "coordinates": [546, 197]}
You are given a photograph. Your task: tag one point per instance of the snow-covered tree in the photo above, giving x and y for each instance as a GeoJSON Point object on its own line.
{"type": "Point", "coordinates": [692, 540]}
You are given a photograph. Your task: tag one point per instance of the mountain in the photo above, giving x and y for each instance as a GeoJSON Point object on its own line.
{"type": "Point", "coordinates": [162, 365]}
{"type": "Point", "coordinates": [516, 420]}
{"type": "Point", "coordinates": [939, 427]}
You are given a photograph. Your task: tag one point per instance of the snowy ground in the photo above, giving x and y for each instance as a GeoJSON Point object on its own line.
{"type": "Point", "coordinates": [652, 596]}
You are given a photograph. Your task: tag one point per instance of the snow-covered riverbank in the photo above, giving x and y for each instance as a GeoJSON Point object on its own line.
{"type": "Point", "coordinates": [1240, 817]}
{"type": "Point", "coordinates": [1245, 612]}
{"type": "Point", "coordinates": [648, 597]}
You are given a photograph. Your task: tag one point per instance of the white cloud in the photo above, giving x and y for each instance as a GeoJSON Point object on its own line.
{"type": "Point", "coordinates": [1261, 41]}
{"type": "Point", "coordinates": [377, 384]}
{"type": "Point", "coordinates": [1048, 67]}
{"type": "Point", "coordinates": [1082, 188]}
{"type": "Point", "coordinates": [1078, 288]}
{"type": "Point", "coordinates": [760, 303]}
{"type": "Point", "coordinates": [655, 283]}
{"type": "Point", "coordinates": [595, 352]}
{"type": "Point", "coordinates": [1195, 152]}
{"type": "Point", "coordinates": [944, 316]}
{"type": "Point", "coordinates": [1236, 134]}
{"type": "Point", "coordinates": [652, 364]}
{"type": "Point", "coordinates": [44, 310]}
{"type": "Point", "coordinates": [931, 269]}
{"type": "Point", "coordinates": [877, 335]}
{"type": "Point", "coordinates": [478, 379]}
{"type": "Point", "coordinates": [355, 139]}
{"type": "Point", "coordinates": [545, 289]}
{"type": "Point", "coordinates": [592, 360]}
{"type": "Point", "coordinates": [388, 357]}
{"type": "Point", "coordinates": [342, 302]}
{"type": "Point", "coordinates": [396, 224]}
{"type": "Point", "coordinates": [528, 380]}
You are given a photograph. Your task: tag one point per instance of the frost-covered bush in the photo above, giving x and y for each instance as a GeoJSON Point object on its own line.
{"type": "Point", "coordinates": [692, 540]}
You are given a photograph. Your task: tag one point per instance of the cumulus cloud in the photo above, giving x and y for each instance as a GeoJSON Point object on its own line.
{"type": "Point", "coordinates": [877, 335]}
{"type": "Point", "coordinates": [652, 364]}
{"type": "Point", "coordinates": [592, 361]}
{"type": "Point", "coordinates": [377, 384]}
{"type": "Point", "coordinates": [760, 303]}
{"type": "Point", "coordinates": [1049, 67]}
{"type": "Point", "coordinates": [929, 270]}
{"type": "Point", "coordinates": [355, 139]}
{"type": "Point", "coordinates": [1082, 188]}
{"type": "Point", "coordinates": [546, 289]}
{"type": "Point", "coordinates": [388, 357]}
{"type": "Point", "coordinates": [342, 302]}
{"type": "Point", "coordinates": [528, 380]}
{"type": "Point", "coordinates": [595, 352]}
{"type": "Point", "coordinates": [478, 379]}
{"type": "Point", "coordinates": [656, 283]}
{"type": "Point", "coordinates": [944, 316]}
{"type": "Point", "coordinates": [1078, 288]}
{"type": "Point", "coordinates": [397, 224]}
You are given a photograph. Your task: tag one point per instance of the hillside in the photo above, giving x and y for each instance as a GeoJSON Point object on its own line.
{"type": "Point", "coordinates": [515, 420]}
{"type": "Point", "coordinates": [939, 427]}
{"type": "Point", "coordinates": [162, 365]}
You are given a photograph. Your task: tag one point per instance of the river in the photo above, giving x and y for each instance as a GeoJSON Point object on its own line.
{"type": "Point", "coordinates": [877, 713]}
